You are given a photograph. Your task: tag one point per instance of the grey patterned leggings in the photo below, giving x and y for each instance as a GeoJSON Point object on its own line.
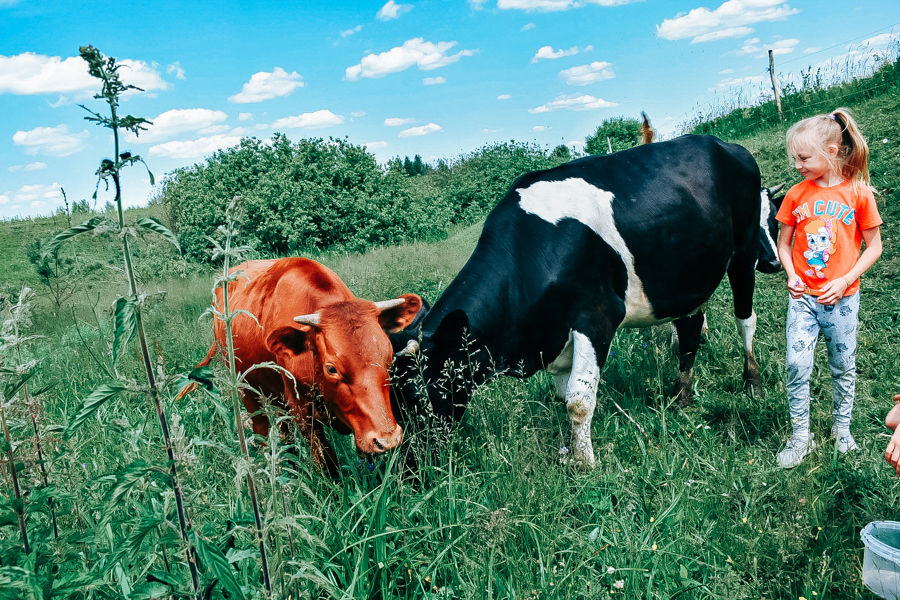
{"type": "Point", "coordinates": [838, 324]}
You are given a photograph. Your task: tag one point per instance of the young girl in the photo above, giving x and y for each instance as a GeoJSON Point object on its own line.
{"type": "Point", "coordinates": [824, 221]}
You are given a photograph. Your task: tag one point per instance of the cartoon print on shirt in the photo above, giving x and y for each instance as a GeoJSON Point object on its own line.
{"type": "Point", "coordinates": [820, 237]}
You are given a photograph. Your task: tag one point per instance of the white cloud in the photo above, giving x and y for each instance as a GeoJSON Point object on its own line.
{"type": "Point", "coordinates": [702, 23]}
{"type": "Point", "coordinates": [881, 39]}
{"type": "Point", "coordinates": [423, 130]}
{"type": "Point", "coordinates": [194, 148]}
{"type": "Point", "coordinates": [588, 74]}
{"type": "Point", "coordinates": [375, 145]}
{"type": "Point", "coordinates": [722, 34]}
{"type": "Point", "coordinates": [4, 199]}
{"type": "Point", "coordinates": [426, 55]}
{"type": "Point", "coordinates": [780, 47]}
{"type": "Point", "coordinates": [176, 121]}
{"type": "Point", "coordinates": [555, 5]}
{"type": "Point", "coordinates": [476, 4]}
{"type": "Point", "coordinates": [265, 86]}
{"type": "Point", "coordinates": [434, 80]}
{"type": "Point", "coordinates": [527, 26]}
{"type": "Point", "coordinates": [175, 67]}
{"type": "Point", "coordinates": [573, 102]}
{"type": "Point", "coordinates": [398, 122]}
{"type": "Point", "coordinates": [726, 71]}
{"type": "Point", "coordinates": [547, 52]}
{"type": "Point", "coordinates": [35, 166]}
{"type": "Point", "coordinates": [734, 82]}
{"type": "Point", "coordinates": [358, 113]}
{"type": "Point", "coordinates": [29, 73]}
{"type": "Point", "coordinates": [144, 76]}
{"type": "Point", "coordinates": [312, 120]}
{"type": "Point", "coordinates": [52, 141]}
{"type": "Point", "coordinates": [392, 10]}
{"type": "Point", "coordinates": [38, 194]}
{"type": "Point", "coordinates": [349, 32]}
{"type": "Point", "coordinates": [540, 128]}
{"type": "Point", "coordinates": [504, 97]}
{"type": "Point", "coordinates": [811, 50]}
{"type": "Point", "coordinates": [245, 116]}
{"type": "Point", "coordinates": [487, 130]}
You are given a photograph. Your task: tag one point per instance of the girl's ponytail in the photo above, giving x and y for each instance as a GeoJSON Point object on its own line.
{"type": "Point", "coordinates": [854, 153]}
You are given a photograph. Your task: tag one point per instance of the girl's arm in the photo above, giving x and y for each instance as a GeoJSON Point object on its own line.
{"type": "Point", "coordinates": [834, 291]}
{"type": "Point", "coordinates": [794, 284]}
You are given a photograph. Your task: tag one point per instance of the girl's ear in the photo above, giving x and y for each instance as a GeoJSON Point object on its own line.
{"type": "Point", "coordinates": [833, 150]}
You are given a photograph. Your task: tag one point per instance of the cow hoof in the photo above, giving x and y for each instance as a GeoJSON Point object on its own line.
{"type": "Point", "coordinates": [755, 388]}
{"type": "Point", "coordinates": [684, 396]}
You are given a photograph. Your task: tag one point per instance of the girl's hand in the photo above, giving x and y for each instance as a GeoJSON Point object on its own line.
{"type": "Point", "coordinates": [796, 287]}
{"type": "Point", "coordinates": [833, 292]}
{"type": "Point", "coordinates": [892, 453]}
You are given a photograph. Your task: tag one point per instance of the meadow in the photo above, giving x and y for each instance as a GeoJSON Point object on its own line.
{"type": "Point", "coordinates": [682, 503]}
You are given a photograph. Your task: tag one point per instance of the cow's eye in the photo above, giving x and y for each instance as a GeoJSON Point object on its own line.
{"type": "Point", "coordinates": [329, 368]}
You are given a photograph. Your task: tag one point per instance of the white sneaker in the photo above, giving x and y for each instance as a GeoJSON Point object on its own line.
{"type": "Point", "coordinates": [845, 441]}
{"type": "Point", "coordinates": [797, 448]}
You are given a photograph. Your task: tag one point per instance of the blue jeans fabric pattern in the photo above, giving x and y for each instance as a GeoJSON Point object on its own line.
{"type": "Point", "coordinates": [838, 324]}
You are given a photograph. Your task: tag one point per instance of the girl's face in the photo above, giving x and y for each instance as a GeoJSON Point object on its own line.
{"type": "Point", "coordinates": [815, 167]}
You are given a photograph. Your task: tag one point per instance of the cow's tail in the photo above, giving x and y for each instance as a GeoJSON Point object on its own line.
{"type": "Point", "coordinates": [646, 129]}
{"type": "Point", "coordinates": [198, 376]}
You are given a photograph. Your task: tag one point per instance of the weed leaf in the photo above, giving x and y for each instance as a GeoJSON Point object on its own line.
{"type": "Point", "coordinates": [92, 404]}
{"type": "Point", "coordinates": [89, 225]}
{"type": "Point", "coordinates": [126, 326]}
{"type": "Point", "coordinates": [154, 225]}
{"type": "Point", "coordinates": [216, 564]}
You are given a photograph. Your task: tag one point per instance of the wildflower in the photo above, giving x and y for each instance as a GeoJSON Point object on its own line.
{"type": "Point", "coordinates": [645, 345]}
{"type": "Point", "coordinates": [819, 528]}
{"type": "Point", "coordinates": [563, 450]}
{"type": "Point", "coordinates": [724, 494]}
{"type": "Point", "coordinates": [706, 427]}
{"type": "Point", "coordinates": [745, 519]}
{"type": "Point", "coordinates": [610, 570]}
{"type": "Point", "coordinates": [802, 500]}
{"type": "Point", "coordinates": [653, 547]}
{"type": "Point", "coordinates": [652, 519]}
{"type": "Point", "coordinates": [619, 584]}
{"type": "Point", "coordinates": [612, 353]}
{"type": "Point", "coordinates": [884, 141]}
{"type": "Point", "coordinates": [802, 598]}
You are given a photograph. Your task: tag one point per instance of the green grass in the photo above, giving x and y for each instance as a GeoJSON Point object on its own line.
{"type": "Point", "coordinates": [682, 504]}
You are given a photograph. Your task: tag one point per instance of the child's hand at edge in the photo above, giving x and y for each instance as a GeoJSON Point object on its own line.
{"type": "Point", "coordinates": [892, 453]}
{"type": "Point", "coordinates": [796, 287]}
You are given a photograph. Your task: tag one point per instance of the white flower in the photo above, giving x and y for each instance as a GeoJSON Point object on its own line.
{"type": "Point", "coordinates": [884, 141]}
{"type": "Point", "coordinates": [610, 570]}
{"type": "Point", "coordinates": [619, 584]}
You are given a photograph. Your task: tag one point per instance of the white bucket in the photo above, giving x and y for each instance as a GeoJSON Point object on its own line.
{"type": "Point", "coordinates": [881, 562]}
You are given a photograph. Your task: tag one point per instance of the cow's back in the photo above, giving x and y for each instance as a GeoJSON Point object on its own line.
{"type": "Point", "coordinates": [274, 291]}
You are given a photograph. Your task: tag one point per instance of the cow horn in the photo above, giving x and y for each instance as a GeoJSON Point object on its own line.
{"type": "Point", "coordinates": [775, 189]}
{"type": "Point", "coordinates": [412, 347]}
{"type": "Point", "coordinates": [386, 304]}
{"type": "Point", "coordinates": [311, 319]}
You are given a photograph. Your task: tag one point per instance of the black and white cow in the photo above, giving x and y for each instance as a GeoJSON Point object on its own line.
{"type": "Point", "coordinates": [573, 253]}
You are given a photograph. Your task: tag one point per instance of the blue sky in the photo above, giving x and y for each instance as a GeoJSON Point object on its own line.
{"type": "Point", "coordinates": [437, 78]}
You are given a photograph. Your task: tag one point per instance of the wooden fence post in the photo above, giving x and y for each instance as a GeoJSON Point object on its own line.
{"type": "Point", "coordinates": [775, 88]}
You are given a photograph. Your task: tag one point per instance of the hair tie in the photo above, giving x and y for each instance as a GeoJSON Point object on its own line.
{"type": "Point", "coordinates": [832, 117]}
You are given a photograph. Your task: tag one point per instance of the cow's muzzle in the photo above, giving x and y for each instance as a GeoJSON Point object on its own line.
{"type": "Point", "coordinates": [380, 443]}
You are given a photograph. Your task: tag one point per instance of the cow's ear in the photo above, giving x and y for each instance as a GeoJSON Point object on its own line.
{"type": "Point", "coordinates": [774, 190]}
{"type": "Point", "coordinates": [452, 329]}
{"type": "Point", "coordinates": [291, 340]}
{"type": "Point", "coordinates": [397, 318]}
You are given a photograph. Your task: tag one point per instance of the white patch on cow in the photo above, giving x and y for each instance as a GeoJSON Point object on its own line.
{"type": "Point", "coordinates": [581, 397]}
{"type": "Point", "coordinates": [764, 213]}
{"type": "Point", "coordinates": [575, 198]}
{"type": "Point", "coordinates": [561, 367]}
{"type": "Point", "coordinates": [746, 329]}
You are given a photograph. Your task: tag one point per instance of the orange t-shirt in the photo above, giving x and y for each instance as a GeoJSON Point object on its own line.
{"type": "Point", "coordinates": [828, 223]}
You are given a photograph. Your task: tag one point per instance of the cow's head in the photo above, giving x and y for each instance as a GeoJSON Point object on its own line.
{"type": "Point", "coordinates": [767, 261]}
{"type": "Point", "coordinates": [346, 344]}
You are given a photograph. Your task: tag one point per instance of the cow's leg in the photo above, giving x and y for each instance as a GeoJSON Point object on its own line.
{"type": "Point", "coordinates": [259, 421]}
{"type": "Point", "coordinates": [561, 368]}
{"type": "Point", "coordinates": [690, 333]}
{"type": "Point", "coordinates": [742, 277]}
{"type": "Point", "coordinates": [581, 393]}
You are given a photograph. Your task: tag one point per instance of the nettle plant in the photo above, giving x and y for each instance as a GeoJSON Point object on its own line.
{"type": "Point", "coordinates": [128, 326]}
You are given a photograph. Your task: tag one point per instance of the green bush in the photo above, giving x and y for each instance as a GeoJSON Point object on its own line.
{"type": "Point", "coordinates": [619, 132]}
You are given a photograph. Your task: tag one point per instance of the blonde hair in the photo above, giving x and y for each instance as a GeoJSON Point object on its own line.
{"type": "Point", "coordinates": [838, 129]}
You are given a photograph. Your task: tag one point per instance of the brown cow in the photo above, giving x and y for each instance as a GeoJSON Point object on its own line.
{"type": "Point", "coordinates": [336, 350]}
